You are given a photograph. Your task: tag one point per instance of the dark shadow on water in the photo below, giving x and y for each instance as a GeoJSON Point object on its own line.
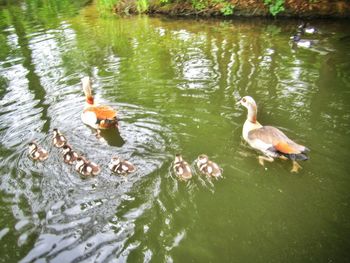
{"type": "Point", "coordinates": [112, 137]}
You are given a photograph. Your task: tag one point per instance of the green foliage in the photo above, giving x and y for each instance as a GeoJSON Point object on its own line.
{"type": "Point", "coordinates": [199, 4]}
{"type": "Point", "coordinates": [227, 9]}
{"type": "Point", "coordinates": [106, 4]}
{"type": "Point", "coordinates": [275, 6]}
{"type": "Point", "coordinates": [142, 6]}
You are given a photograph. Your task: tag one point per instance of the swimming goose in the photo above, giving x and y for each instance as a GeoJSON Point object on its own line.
{"type": "Point", "coordinates": [96, 116]}
{"type": "Point", "coordinates": [37, 153]}
{"type": "Point", "coordinates": [182, 168]}
{"type": "Point", "coordinates": [58, 139]}
{"type": "Point", "coordinates": [69, 156]}
{"type": "Point", "coordinates": [270, 140]}
{"type": "Point", "coordinates": [120, 166]}
{"type": "Point", "coordinates": [208, 167]}
{"type": "Point", "coordinates": [86, 168]}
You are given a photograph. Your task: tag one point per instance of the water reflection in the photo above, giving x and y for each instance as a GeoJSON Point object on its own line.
{"type": "Point", "coordinates": [174, 84]}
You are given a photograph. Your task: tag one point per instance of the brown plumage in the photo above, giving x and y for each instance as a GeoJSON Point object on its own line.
{"type": "Point", "coordinates": [120, 166]}
{"type": "Point", "coordinates": [37, 153]}
{"type": "Point", "coordinates": [58, 139]}
{"type": "Point", "coordinates": [69, 156]}
{"type": "Point", "coordinates": [182, 168]}
{"type": "Point", "coordinates": [97, 116]}
{"type": "Point", "coordinates": [86, 168]}
{"type": "Point", "coordinates": [280, 143]}
{"type": "Point", "coordinates": [208, 167]}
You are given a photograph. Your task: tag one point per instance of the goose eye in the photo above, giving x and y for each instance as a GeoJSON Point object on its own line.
{"type": "Point", "coordinates": [244, 100]}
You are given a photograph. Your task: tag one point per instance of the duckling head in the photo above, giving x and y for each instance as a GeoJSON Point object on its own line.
{"type": "Point", "coordinates": [203, 159]}
{"type": "Point", "coordinates": [80, 161]}
{"type": "Point", "coordinates": [66, 148]}
{"type": "Point", "coordinates": [115, 160]}
{"type": "Point", "coordinates": [178, 158]}
{"type": "Point", "coordinates": [32, 146]}
{"type": "Point", "coordinates": [55, 132]}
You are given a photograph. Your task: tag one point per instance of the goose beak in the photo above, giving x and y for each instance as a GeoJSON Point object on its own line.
{"type": "Point", "coordinates": [238, 102]}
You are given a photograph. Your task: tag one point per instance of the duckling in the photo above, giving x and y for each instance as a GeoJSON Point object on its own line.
{"type": "Point", "coordinates": [182, 168]}
{"type": "Point", "coordinates": [208, 167]}
{"type": "Point", "coordinates": [69, 156]}
{"type": "Point", "coordinates": [58, 139]}
{"type": "Point", "coordinates": [299, 42]}
{"type": "Point", "coordinates": [37, 153]}
{"type": "Point", "coordinates": [86, 168]}
{"type": "Point", "coordinates": [120, 166]}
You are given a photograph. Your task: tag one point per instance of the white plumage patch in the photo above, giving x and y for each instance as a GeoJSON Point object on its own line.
{"type": "Point", "coordinates": [89, 118]}
{"type": "Point", "coordinates": [89, 169]}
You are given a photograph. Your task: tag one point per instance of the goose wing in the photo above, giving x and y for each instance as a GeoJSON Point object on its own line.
{"type": "Point", "coordinates": [103, 112]}
{"type": "Point", "coordinates": [275, 140]}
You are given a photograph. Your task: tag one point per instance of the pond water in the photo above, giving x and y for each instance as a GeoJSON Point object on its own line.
{"type": "Point", "coordinates": [175, 83]}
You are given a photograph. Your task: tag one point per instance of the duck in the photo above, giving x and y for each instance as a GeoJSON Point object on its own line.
{"type": "Point", "coordinates": [306, 28]}
{"type": "Point", "coordinates": [37, 153]}
{"type": "Point", "coordinates": [208, 167]}
{"type": "Point", "coordinates": [181, 168]}
{"type": "Point", "coordinates": [69, 156]}
{"type": "Point", "coordinates": [96, 116]}
{"type": "Point", "coordinates": [299, 42]}
{"type": "Point", "coordinates": [272, 142]}
{"type": "Point", "coordinates": [120, 166]}
{"type": "Point", "coordinates": [86, 168]}
{"type": "Point", "coordinates": [58, 139]}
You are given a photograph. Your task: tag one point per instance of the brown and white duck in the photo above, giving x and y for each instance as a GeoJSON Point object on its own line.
{"type": "Point", "coordinates": [181, 168]}
{"type": "Point", "coordinates": [69, 156]}
{"type": "Point", "coordinates": [86, 168]}
{"type": "Point", "coordinates": [58, 139]}
{"type": "Point", "coordinates": [96, 116]}
{"type": "Point", "coordinates": [208, 167]}
{"type": "Point", "coordinates": [272, 142]}
{"type": "Point", "coordinates": [306, 28]}
{"type": "Point", "coordinates": [120, 166]}
{"type": "Point", "coordinates": [37, 153]}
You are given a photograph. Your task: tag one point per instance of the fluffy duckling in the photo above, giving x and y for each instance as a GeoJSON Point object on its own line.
{"type": "Point", "coordinates": [120, 166]}
{"type": "Point", "coordinates": [182, 168]}
{"type": "Point", "coordinates": [86, 168]}
{"type": "Point", "coordinates": [58, 139]}
{"type": "Point", "coordinates": [272, 142]}
{"type": "Point", "coordinates": [208, 167]}
{"type": "Point", "coordinates": [96, 116]}
{"type": "Point", "coordinates": [299, 42]}
{"type": "Point", "coordinates": [69, 156]}
{"type": "Point", "coordinates": [37, 153]}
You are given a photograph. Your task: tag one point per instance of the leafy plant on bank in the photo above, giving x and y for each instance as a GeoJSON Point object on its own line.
{"type": "Point", "coordinates": [275, 6]}
{"type": "Point", "coordinates": [199, 4]}
{"type": "Point", "coordinates": [227, 9]}
{"type": "Point", "coordinates": [142, 6]}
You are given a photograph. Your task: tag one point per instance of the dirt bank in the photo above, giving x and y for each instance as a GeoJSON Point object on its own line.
{"type": "Point", "coordinates": [291, 8]}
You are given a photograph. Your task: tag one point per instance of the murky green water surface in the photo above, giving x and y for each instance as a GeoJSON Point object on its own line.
{"type": "Point", "coordinates": [175, 84]}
